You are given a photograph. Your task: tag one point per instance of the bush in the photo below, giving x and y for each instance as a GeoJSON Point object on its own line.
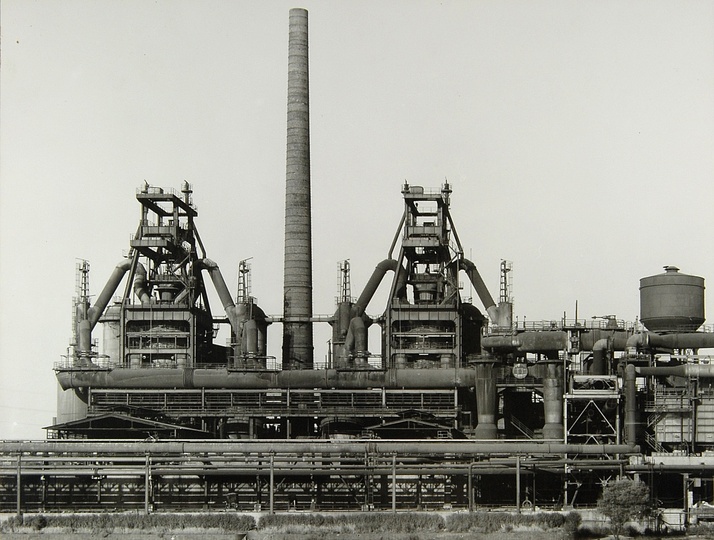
{"type": "Point", "coordinates": [109, 522]}
{"type": "Point", "coordinates": [489, 522]}
{"type": "Point", "coordinates": [623, 501]}
{"type": "Point", "coordinates": [357, 523]}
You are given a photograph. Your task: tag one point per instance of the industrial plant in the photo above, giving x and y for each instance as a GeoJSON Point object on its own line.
{"type": "Point", "coordinates": [463, 406]}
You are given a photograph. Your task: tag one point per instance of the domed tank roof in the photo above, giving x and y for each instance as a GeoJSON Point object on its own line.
{"type": "Point", "coordinates": [672, 302]}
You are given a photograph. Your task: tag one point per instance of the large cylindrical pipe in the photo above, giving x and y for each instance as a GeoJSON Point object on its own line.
{"type": "Point", "coordinates": [481, 290]}
{"type": "Point", "coordinates": [553, 401]}
{"type": "Point", "coordinates": [233, 313]}
{"type": "Point", "coordinates": [95, 312]}
{"type": "Point", "coordinates": [485, 402]}
{"type": "Point", "coordinates": [687, 340]}
{"type": "Point", "coordinates": [373, 283]}
{"type": "Point", "coordinates": [556, 340]}
{"type": "Point", "coordinates": [297, 295]}
{"type": "Point", "coordinates": [267, 446]}
{"type": "Point", "coordinates": [221, 378]}
{"type": "Point", "coordinates": [140, 284]}
{"type": "Point", "coordinates": [599, 365]}
{"type": "Point", "coordinates": [631, 427]}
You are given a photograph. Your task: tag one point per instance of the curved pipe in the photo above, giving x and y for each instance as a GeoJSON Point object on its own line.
{"type": "Point", "coordinates": [617, 339]}
{"type": "Point", "coordinates": [234, 314]}
{"type": "Point", "coordinates": [478, 283]}
{"type": "Point", "coordinates": [356, 340]}
{"type": "Point", "coordinates": [599, 366]}
{"type": "Point", "coordinates": [95, 312]}
{"type": "Point", "coordinates": [140, 284]}
{"type": "Point", "coordinates": [481, 290]}
{"type": "Point", "coordinates": [373, 283]}
{"type": "Point", "coordinates": [218, 282]}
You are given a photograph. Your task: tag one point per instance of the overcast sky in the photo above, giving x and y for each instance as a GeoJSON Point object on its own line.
{"type": "Point", "coordinates": [578, 138]}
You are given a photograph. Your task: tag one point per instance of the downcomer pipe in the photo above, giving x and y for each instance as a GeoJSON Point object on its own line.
{"type": "Point", "coordinates": [297, 292]}
{"type": "Point", "coordinates": [140, 284]}
{"type": "Point", "coordinates": [95, 312]}
{"type": "Point", "coordinates": [481, 289]}
{"type": "Point", "coordinates": [232, 312]}
{"type": "Point", "coordinates": [373, 283]}
{"type": "Point", "coordinates": [86, 325]}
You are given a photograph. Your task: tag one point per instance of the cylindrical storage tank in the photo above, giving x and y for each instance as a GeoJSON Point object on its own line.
{"type": "Point", "coordinates": [71, 405]}
{"type": "Point", "coordinates": [111, 333]}
{"type": "Point", "coordinates": [672, 302]}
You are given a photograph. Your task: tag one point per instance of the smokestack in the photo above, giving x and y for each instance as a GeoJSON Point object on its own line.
{"type": "Point", "coordinates": [297, 296]}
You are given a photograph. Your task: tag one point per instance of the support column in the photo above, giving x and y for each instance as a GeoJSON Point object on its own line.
{"type": "Point", "coordinates": [394, 483]}
{"type": "Point", "coordinates": [553, 401]}
{"type": "Point", "coordinates": [272, 484]}
{"type": "Point", "coordinates": [485, 402]}
{"type": "Point", "coordinates": [19, 485]}
{"type": "Point", "coordinates": [518, 484]}
{"type": "Point", "coordinates": [630, 405]}
{"type": "Point", "coordinates": [147, 482]}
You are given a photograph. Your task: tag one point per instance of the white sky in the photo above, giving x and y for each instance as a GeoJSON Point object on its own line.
{"type": "Point", "coordinates": [578, 137]}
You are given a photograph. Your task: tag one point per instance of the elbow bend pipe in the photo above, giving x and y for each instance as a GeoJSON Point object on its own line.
{"type": "Point", "coordinates": [95, 312]}
{"type": "Point", "coordinates": [373, 283]}
{"type": "Point", "coordinates": [636, 342]}
{"type": "Point", "coordinates": [599, 366]}
{"type": "Point", "coordinates": [218, 282]}
{"type": "Point", "coordinates": [481, 289]}
{"type": "Point", "coordinates": [140, 284]}
{"type": "Point", "coordinates": [356, 339]}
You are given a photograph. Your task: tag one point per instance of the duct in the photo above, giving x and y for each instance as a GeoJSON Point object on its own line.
{"type": "Point", "coordinates": [631, 427]}
{"type": "Point", "coordinates": [140, 284]}
{"type": "Point", "coordinates": [298, 379]}
{"type": "Point", "coordinates": [704, 371]}
{"type": "Point", "coordinates": [599, 365]}
{"type": "Point", "coordinates": [356, 340]}
{"type": "Point", "coordinates": [373, 283]}
{"type": "Point", "coordinates": [617, 339]}
{"type": "Point", "coordinates": [87, 322]}
{"type": "Point", "coordinates": [687, 340]}
{"type": "Point", "coordinates": [481, 290]}
{"type": "Point", "coordinates": [297, 292]}
{"type": "Point", "coordinates": [553, 401]}
{"type": "Point", "coordinates": [486, 400]}
{"type": "Point", "coordinates": [232, 312]}
{"type": "Point", "coordinates": [95, 312]}
{"type": "Point", "coordinates": [534, 342]}
{"type": "Point", "coordinates": [257, 446]}
{"type": "Point", "coordinates": [250, 338]}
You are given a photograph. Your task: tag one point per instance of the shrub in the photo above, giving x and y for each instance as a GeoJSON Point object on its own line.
{"type": "Point", "coordinates": [623, 501]}
{"type": "Point", "coordinates": [489, 522]}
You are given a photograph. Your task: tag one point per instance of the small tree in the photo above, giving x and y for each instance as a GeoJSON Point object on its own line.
{"type": "Point", "coordinates": [623, 501]}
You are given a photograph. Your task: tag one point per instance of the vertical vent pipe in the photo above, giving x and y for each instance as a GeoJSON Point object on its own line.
{"type": "Point", "coordinates": [297, 296]}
